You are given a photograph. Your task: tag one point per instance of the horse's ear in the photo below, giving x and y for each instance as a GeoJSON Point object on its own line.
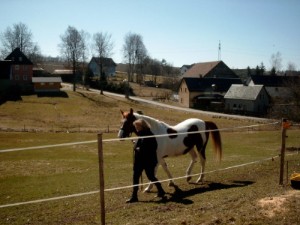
{"type": "Point", "coordinates": [121, 112]}
{"type": "Point", "coordinates": [131, 111]}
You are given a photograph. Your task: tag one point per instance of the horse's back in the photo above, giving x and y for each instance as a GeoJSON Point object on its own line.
{"type": "Point", "coordinates": [175, 144]}
{"type": "Point", "coordinates": [188, 123]}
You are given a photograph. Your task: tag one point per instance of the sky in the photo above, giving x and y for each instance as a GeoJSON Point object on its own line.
{"type": "Point", "coordinates": [182, 32]}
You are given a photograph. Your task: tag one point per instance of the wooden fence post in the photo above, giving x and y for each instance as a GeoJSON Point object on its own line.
{"type": "Point", "coordinates": [101, 179]}
{"type": "Point", "coordinates": [284, 126]}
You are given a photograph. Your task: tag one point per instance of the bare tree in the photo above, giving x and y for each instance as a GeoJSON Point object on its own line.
{"type": "Point", "coordinates": [141, 60]}
{"type": "Point", "coordinates": [291, 69]}
{"type": "Point", "coordinates": [155, 69]}
{"type": "Point", "coordinates": [276, 62]}
{"type": "Point", "coordinates": [288, 107]}
{"type": "Point", "coordinates": [72, 47]}
{"type": "Point", "coordinates": [134, 50]}
{"type": "Point", "coordinates": [167, 68]}
{"type": "Point", "coordinates": [85, 53]}
{"type": "Point", "coordinates": [104, 46]}
{"type": "Point", "coordinates": [19, 36]}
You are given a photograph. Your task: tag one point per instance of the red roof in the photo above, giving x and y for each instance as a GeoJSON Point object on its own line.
{"type": "Point", "coordinates": [201, 69]}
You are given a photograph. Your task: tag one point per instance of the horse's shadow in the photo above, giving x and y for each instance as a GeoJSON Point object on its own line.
{"type": "Point", "coordinates": [180, 196]}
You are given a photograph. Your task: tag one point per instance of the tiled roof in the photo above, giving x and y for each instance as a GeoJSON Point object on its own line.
{"type": "Point", "coordinates": [46, 79]}
{"type": "Point", "coordinates": [243, 92]}
{"type": "Point", "coordinates": [200, 69]}
{"type": "Point", "coordinates": [105, 61]}
{"type": "Point", "coordinates": [63, 72]}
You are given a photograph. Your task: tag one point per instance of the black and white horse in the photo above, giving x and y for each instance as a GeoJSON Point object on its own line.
{"type": "Point", "coordinates": [179, 140]}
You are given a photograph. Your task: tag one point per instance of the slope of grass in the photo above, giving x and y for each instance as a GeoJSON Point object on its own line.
{"type": "Point", "coordinates": [233, 196]}
{"type": "Point", "coordinates": [225, 197]}
{"type": "Point", "coordinates": [83, 112]}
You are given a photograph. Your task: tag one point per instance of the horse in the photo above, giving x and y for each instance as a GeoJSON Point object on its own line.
{"type": "Point", "coordinates": [176, 140]}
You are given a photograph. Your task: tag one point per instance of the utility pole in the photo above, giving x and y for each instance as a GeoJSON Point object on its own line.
{"type": "Point", "coordinates": [219, 52]}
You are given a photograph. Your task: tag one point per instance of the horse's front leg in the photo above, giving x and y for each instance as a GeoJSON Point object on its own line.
{"type": "Point", "coordinates": [193, 155]}
{"type": "Point", "coordinates": [165, 167]}
{"type": "Point", "coordinates": [202, 161]}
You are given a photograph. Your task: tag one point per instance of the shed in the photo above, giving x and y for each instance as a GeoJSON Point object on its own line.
{"type": "Point", "coordinates": [46, 84]}
{"type": "Point", "coordinates": [250, 100]}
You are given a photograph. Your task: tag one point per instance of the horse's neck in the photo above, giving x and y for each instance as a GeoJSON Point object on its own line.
{"type": "Point", "coordinates": [156, 125]}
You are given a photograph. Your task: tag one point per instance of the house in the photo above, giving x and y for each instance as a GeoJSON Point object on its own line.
{"type": "Point", "coordinates": [109, 66]}
{"type": "Point", "coordinates": [65, 74]}
{"type": "Point", "coordinates": [46, 84]}
{"type": "Point", "coordinates": [203, 92]}
{"type": "Point", "coordinates": [17, 68]}
{"type": "Point", "coordinates": [276, 86]}
{"type": "Point", "coordinates": [250, 100]}
{"type": "Point", "coordinates": [185, 68]}
{"type": "Point", "coordinates": [215, 69]}
{"type": "Point", "coordinates": [205, 84]}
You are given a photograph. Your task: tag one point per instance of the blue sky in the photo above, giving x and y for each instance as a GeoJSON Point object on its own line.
{"type": "Point", "coordinates": [182, 32]}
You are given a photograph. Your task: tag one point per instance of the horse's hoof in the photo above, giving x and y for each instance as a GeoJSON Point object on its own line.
{"type": "Point", "coordinates": [199, 181]}
{"type": "Point", "coordinates": [147, 190]}
{"type": "Point", "coordinates": [188, 179]}
{"type": "Point", "coordinates": [171, 184]}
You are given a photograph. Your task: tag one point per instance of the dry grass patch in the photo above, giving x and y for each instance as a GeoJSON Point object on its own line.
{"type": "Point", "coordinates": [271, 206]}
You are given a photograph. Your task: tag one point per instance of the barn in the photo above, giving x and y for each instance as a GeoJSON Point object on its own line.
{"type": "Point", "coordinates": [46, 84]}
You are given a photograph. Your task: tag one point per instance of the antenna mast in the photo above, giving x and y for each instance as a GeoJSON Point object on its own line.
{"type": "Point", "coordinates": [219, 52]}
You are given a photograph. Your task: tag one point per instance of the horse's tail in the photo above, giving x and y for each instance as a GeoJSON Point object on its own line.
{"type": "Point", "coordinates": [216, 137]}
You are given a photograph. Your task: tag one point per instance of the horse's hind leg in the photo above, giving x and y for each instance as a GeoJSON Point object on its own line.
{"type": "Point", "coordinates": [192, 163]}
{"type": "Point", "coordinates": [202, 161]}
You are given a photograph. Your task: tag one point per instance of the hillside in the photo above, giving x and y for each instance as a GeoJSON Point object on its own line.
{"type": "Point", "coordinates": [83, 111]}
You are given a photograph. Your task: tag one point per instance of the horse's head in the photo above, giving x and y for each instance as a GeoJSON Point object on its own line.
{"type": "Point", "coordinates": [127, 126]}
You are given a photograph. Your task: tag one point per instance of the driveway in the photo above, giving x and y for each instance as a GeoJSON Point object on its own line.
{"type": "Point", "coordinates": [215, 114]}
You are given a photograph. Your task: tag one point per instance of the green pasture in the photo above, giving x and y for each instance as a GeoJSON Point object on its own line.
{"type": "Point", "coordinates": [226, 196]}
{"type": "Point", "coordinates": [231, 196]}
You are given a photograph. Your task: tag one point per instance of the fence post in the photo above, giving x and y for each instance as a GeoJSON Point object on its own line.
{"type": "Point", "coordinates": [101, 179]}
{"type": "Point", "coordinates": [284, 126]}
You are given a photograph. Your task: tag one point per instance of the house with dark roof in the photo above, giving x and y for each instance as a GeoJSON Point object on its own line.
{"type": "Point", "coordinates": [17, 68]}
{"type": "Point", "coordinates": [205, 84]}
{"type": "Point", "coordinates": [109, 66]}
{"type": "Point", "coordinates": [276, 86]}
{"type": "Point", "coordinates": [249, 100]}
{"type": "Point", "coordinates": [203, 92]}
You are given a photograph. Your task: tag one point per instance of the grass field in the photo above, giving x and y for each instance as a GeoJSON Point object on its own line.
{"type": "Point", "coordinates": [243, 195]}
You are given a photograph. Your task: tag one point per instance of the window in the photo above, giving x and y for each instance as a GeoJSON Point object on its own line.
{"type": "Point", "coordinates": [20, 59]}
{"type": "Point", "coordinates": [17, 77]}
{"type": "Point", "coordinates": [24, 77]}
{"type": "Point", "coordinates": [16, 67]}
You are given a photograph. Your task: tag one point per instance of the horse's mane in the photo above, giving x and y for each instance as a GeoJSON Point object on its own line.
{"type": "Point", "coordinates": [154, 123]}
